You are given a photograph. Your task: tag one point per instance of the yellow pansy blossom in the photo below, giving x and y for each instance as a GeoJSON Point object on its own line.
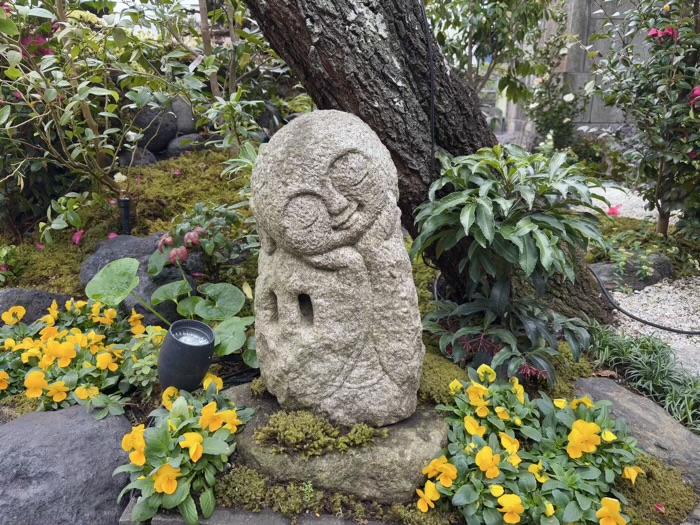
{"type": "Point", "coordinates": [165, 479]}
{"type": "Point", "coordinates": [4, 380]}
{"type": "Point", "coordinates": [472, 426]}
{"type": "Point", "coordinates": [35, 382]}
{"type": "Point", "coordinates": [432, 469]}
{"type": "Point", "coordinates": [488, 462]}
{"type": "Point", "coordinates": [109, 316]}
{"type": "Point", "coordinates": [511, 507]}
{"type": "Point", "coordinates": [548, 509]}
{"type": "Point", "coordinates": [32, 352]}
{"type": "Point", "coordinates": [136, 441]}
{"type": "Point", "coordinates": [85, 393]}
{"type": "Point", "coordinates": [64, 352]}
{"type": "Point", "coordinates": [79, 305]}
{"type": "Point", "coordinates": [609, 513]}
{"type": "Point", "coordinates": [536, 470]}
{"type": "Point", "coordinates": [486, 373]}
{"type": "Point", "coordinates": [560, 403]}
{"type": "Point", "coordinates": [96, 311]}
{"type": "Point", "coordinates": [502, 413]}
{"type": "Point", "coordinates": [105, 361]}
{"type": "Point", "coordinates": [518, 390]}
{"type": "Point", "coordinates": [583, 401]}
{"type": "Point", "coordinates": [456, 386]}
{"type": "Point", "coordinates": [14, 315]}
{"type": "Point", "coordinates": [58, 391]}
{"type": "Point", "coordinates": [426, 498]}
{"type": "Point", "coordinates": [211, 378]}
{"type": "Point", "coordinates": [583, 438]}
{"type": "Point", "coordinates": [631, 473]}
{"type": "Point", "coordinates": [608, 436]}
{"type": "Point", "coordinates": [496, 491]}
{"type": "Point", "coordinates": [170, 394]}
{"type": "Point", "coordinates": [231, 421]}
{"type": "Point", "coordinates": [193, 442]}
{"type": "Point", "coordinates": [448, 473]}
{"type": "Point", "coordinates": [53, 309]}
{"type": "Point", "coordinates": [48, 320]}
{"type": "Point", "coordinates": [514, 460]}
{"type": "Point", "coordinates": [510, 444]}
{"type": "Point", "coordinates": [9, 344]}
{"type": "Point", "coordinates": [210, 419]}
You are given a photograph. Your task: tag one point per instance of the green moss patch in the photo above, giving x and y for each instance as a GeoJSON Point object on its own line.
{"type": "Point", "coordinates": [258, 388]}
{"type": "Point", "coordinates": [309, 435]}
{"type": "Point", "coordinates": [435, 381]}
{"type": "Point", "coordinates": [15, 406]}
{"type": "Point", "coordinates": [569, 371]}
{"type": "Point", "coordinates": [662, 485]}
{"type": "Point", "coordinates": [245, 488]}
{"type": "Point", "coordinates": [424, 277]}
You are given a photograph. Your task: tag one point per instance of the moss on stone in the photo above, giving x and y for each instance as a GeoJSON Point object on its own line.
{"type": "Point", "coordinates": [258, 388]}
{"type": "Point", "coordinates": [437, 375]}
{"type": "Point", "coordinates": [246, 488]}
{"type": "Point", "coordinates": [309, 435]}
{"type": "Point", "coordinates": [12, 407]}
{"type": "Point", "coordinates": [568, 371]}
{"type": "Point", "coordinates": [661, 485]}
{"type": "Point", "coordinates": [424, 276]}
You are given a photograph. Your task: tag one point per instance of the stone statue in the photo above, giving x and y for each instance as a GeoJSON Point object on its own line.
{"type": "Point", "coordinates": [337, 322]}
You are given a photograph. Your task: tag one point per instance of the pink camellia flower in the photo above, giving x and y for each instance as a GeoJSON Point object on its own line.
{"type": "Point", "coordinates": [695, 96]}
{"type": "Point", "coordinates": [165, 240]}
{"type": "Point", "coordinates": [654, 33]}
{"type": "Point", "coordinates": [615, 211]}
{"type": "Point", "coordinates": [4, 268]}
{"type": "Point", "coordinates": [40, 247]}
{"type": "Point", "coordinates": [180, 253]}
{"type": "Point", "coordinates": [192, 239]}
{"type": "Point", "coordinates": [671, 32]}
{"type": "Point", "coordinates": [78, 237]}
{"type": "Point", "coordinates": [693, 155]}
{"type": "Point", "coordinates": [18, 95]}
{"type": "Point", "coordinates": [112, 236]}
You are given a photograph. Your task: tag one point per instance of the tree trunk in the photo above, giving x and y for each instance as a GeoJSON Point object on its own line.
{"type": "Point", "coordinates": [371, 58]}
{"type": "Point", "coordinates": [662, 224]}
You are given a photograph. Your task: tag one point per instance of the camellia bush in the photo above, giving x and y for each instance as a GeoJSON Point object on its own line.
{"type": "Point", "coordinates": [514, 210]}
{"type": "Point", "coordinates": [83, 354]}
{"type": "Point", "coordinates": [655, 84]}
{"type": "Point", "coordinates": [514, 460]}
{"type": "Point", "coordinates": [181, 454]}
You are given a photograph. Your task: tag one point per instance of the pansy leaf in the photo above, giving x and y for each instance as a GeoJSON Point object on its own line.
{"type": "Point", "coordinates": [207, 502]}
{"type": "Point", "coordinates": [464, 496]}
{"type": "Point", "coordinates": [113, 283]}
{"type": "Point", "coordinates": [215, 447]}
{"type": "Point", "coordinates": [572, 513]}
{"type": "Point", "coordinates": [189, 511]}
{"type": "Point", "coordinates": [170, 501]}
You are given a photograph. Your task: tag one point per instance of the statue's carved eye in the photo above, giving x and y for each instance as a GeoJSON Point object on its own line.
{"type": "Point", "coordinates": [349, 171]}
{"type": "Point", "coordinates": [305, 211]}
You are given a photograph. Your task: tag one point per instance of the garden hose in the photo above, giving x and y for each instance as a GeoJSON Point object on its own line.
{"type": "Point", "coordinates": [628, 314]}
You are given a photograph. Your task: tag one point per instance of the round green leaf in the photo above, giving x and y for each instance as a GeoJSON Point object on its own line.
{"type": "Point", "coordinates": [114, 282]}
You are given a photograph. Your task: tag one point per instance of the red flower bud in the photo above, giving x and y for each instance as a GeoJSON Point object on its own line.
{"type": "Point", "coordinates": [4, 268]}
{"type": "Point", "coordinates": [165, 240]}
{"type": "Point", "coordinates": [192, 239]}
{"type": "Point", "coordinates": [179, 254]}
{"type": "Point", "coordinates": [78, 237]}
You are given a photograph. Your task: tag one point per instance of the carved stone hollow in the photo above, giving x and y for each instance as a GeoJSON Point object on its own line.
{"type": "Point", "coordinates": [337, 322]}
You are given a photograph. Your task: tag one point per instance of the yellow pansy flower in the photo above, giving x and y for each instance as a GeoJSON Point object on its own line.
{"type": "Point", "coordinates": [488, 462]}
{"type": "Point", "coordinates": [536, 470]}
{"type": "Point", "coordinates": [79, 305]}
{"type": "Point", "coordinates": [631, 473]}
{"type": "Point", "coordinates": [426, 498]}
{"type": "Point", "coordinates": [48, 320]}
{"type": "Point", "coordinates": [510, 444]}
{"type": "Point", "coordinates": [231, 421]}
{"type": "Point", "coordinates": [514, 460]}
{"type": "Point", "coordinates": [583, 438]}
{"type": "Point", "coordinates": [608, 436]}
{"type": "Point", "coordinates": [583, 401]}
{"type": "Point", "coordinates": [511, 507]}
{"type": "Point", "coordinates": [609, 512]}
{"type": "Point", "coordinates": [105, 361]}
{"type": "Point", "coordinates": [210, 419]}
{"type": "Point", "coordinates": [109, 316]}
{"type": "Point", "coordinates": [518, 421]}
{"type": "Point", "coordinates": [211, 378]}
{"type": "Point", "coordinates": [518, 390]}
{"type": "Point", "coordinates": [32, 352]}
{"type": "Point", "coordinates": [95, 311]}
{"type": "Point", "coordinates": [486, 373]}
{"type": "Point", "coordinates": [35, 382]}
{"type": "Point", "coordinates": [560, 403]}
{"type": "Point", "coordinates": [14, 315]}
{"type": "Point", "coordinates": [472, 426]}
{"type": "Point", "coordinates": [193, 442]}
{"type": "Point", "coordinates": [64, 352]}
{"type": "Point", "coordinates": [502, 413]}
{"type": "Point", "coordinates": [136, 441]}
{"type": "Point", "coordinates": [548, 509]}
{"type": "Point", "coordinates": [165, 479]}
{"type": "Point", "coordinates": [448, 473]}
{"type": "Point", "coordinates": [456, 386]}
{"type": "Point", "coordinates": [496, 491]}
{"type": "Point", "coordinates": [68, 305]}
{"type": "Point", "coordinates": [432, 469]}
{"type": "Point", "coordinates": [170, 394]}
{"type": "Point", "coordinates": [84, 393]}
{"type": "Point", "coordinates": [53, 309]}
{"type": "Point", "coordinates": [9, 344]}
{"type": "Point", "coordinates": [58, 391]}
{"type": "Point", "coordinates": [4, 380]}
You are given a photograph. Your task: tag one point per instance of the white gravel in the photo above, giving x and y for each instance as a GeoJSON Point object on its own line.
{"type": "Point", "coordinates": [632, 204]}
{"type": "Point", "coordinates": [675, 304]}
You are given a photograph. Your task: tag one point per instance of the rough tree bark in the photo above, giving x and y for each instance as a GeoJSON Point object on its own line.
{"type": "Point", "coordinates": [370, 58]}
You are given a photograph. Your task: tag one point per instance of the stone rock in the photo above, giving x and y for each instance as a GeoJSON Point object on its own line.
{"type": "Point", "coordinates": [662, 266]}
{"type": "Point", "coordinates": [656, 431]}
{"type": "Point", "coordinates": [387, 471]}
{"type": "Point", "coordinates": [159, 127]}
{"type": "Point", "coordinates": [141, 249]}
{"type": "Point", "coordinates": [57, 468]}
{"type": "Point", "coordinates": [337, 322]}
{"type": "Point", "coordinates": [185, 143]}
{"type": "Point", "coordinates": [35, 302]}
{"type": "Point", "coordinates": [182, 110]}
{"type": "Point", "coordinates": [141, 157]}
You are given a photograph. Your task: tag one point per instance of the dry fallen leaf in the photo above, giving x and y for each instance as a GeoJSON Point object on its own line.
{"type": "Point", "coordinates": [607, 373]}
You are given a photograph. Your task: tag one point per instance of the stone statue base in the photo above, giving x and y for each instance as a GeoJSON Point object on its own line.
{"type": "Point", "coordinates": [387, 472]}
